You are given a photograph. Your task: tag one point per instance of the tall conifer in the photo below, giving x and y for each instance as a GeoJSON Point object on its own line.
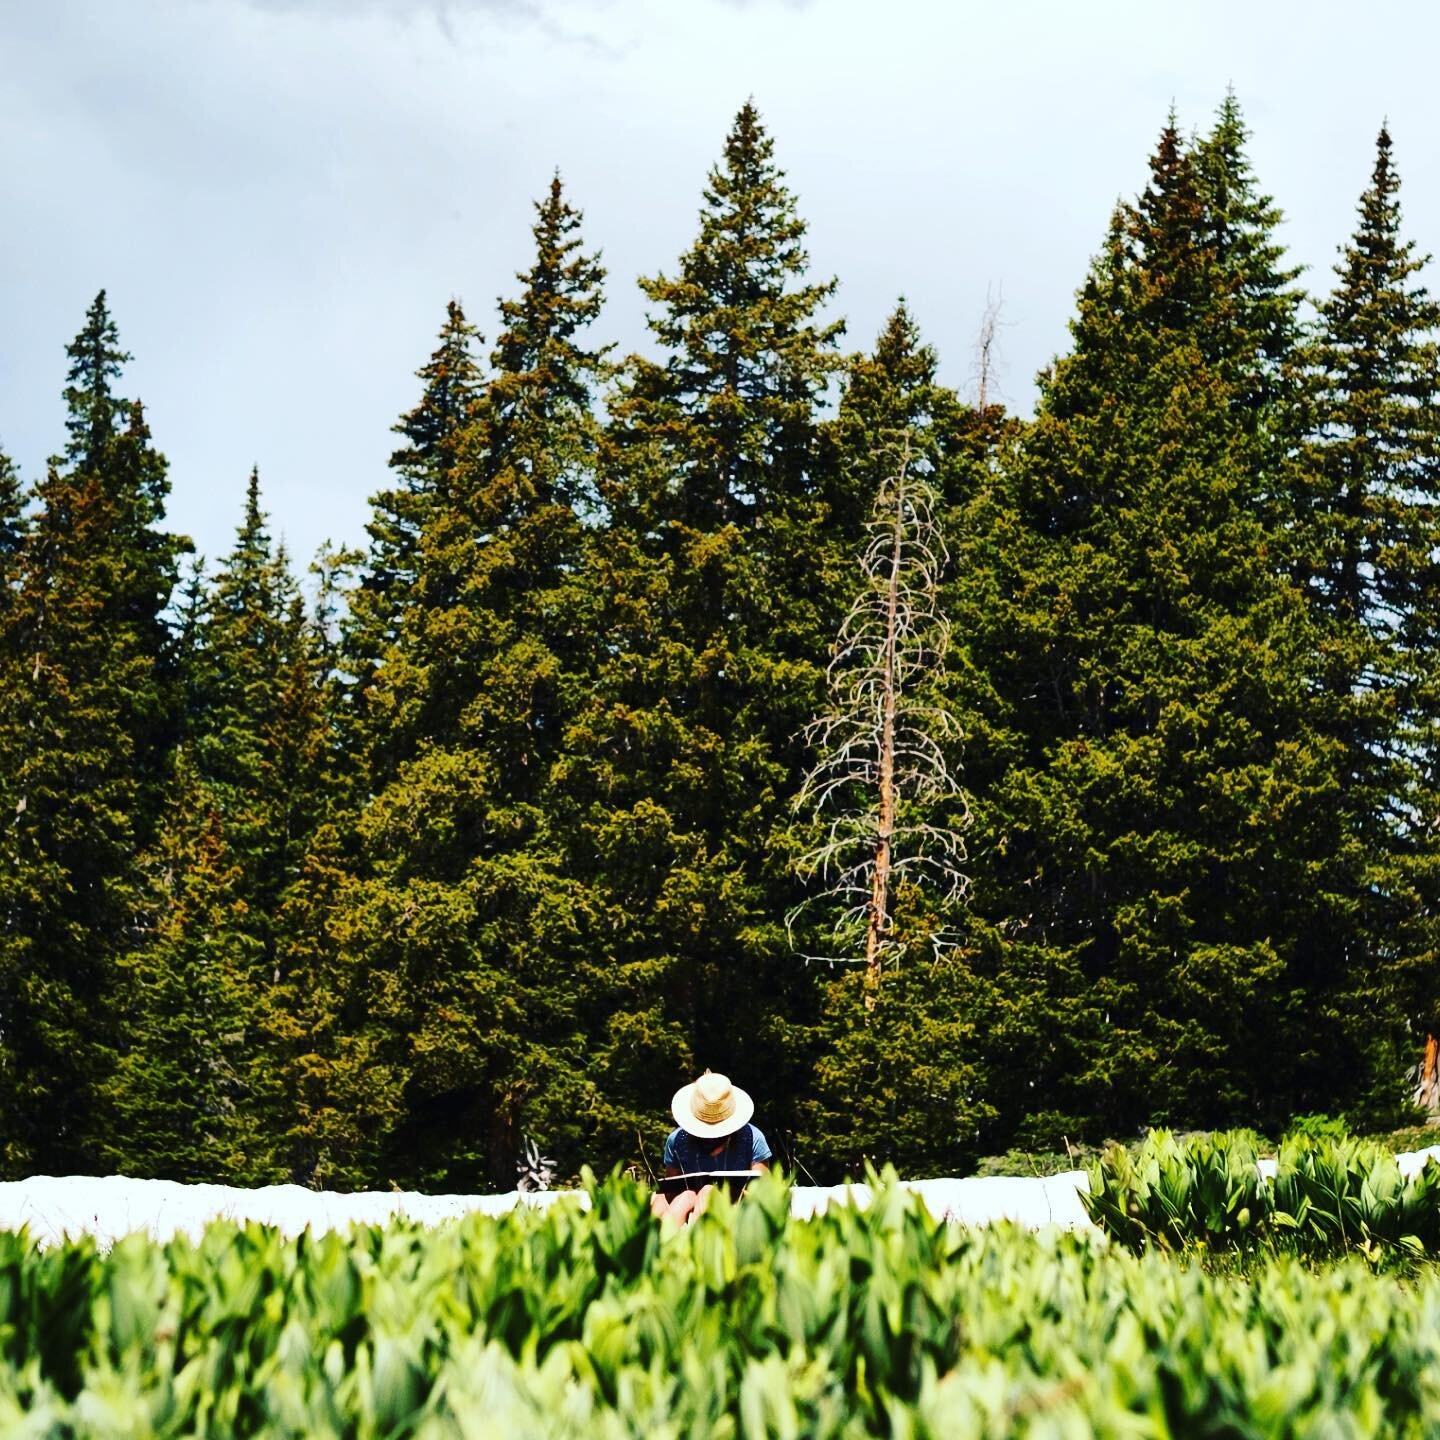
{"type": "Point", "coordinates": [1371, 514]}
{"type": "Point", "coordinates": [89, 723]}
{"type": "Point", "coordinates": [688, 751]}
{"type": "Point", "coordinates": [12, 540]}
{"type": "Point", "coordinates": [1256, 299]}
{"type": "Point", "coordinates": [458, 911]}
{"type": "Point", "coordinates": [258, 734]}
{"type": "Point", "coordinates": [427, 467]}
{"type": "Point", "coordinates": [1166, 785]}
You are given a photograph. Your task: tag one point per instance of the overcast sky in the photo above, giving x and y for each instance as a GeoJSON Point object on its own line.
{"type": "Point", "coordinates": [281, 195]}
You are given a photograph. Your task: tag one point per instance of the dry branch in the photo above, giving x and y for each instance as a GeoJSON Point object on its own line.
{"type": "Point", "coordinates": [881, 747]}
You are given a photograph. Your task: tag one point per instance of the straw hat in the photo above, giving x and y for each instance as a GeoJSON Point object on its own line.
{"type": "Point", "coordinates": [712, 1107]}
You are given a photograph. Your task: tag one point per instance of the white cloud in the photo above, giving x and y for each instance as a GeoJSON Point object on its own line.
{"type": "Point", "coordinates": [281, 195]}
{"type": "Point", "coordinates": [348, 9]}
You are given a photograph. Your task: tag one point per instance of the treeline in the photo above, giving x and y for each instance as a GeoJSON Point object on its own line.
{"type": "Point", "coordinates": [487, 838]}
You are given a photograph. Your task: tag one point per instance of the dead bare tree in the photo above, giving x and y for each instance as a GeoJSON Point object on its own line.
{"type": "Point", "coordinates": [881, 769]}
{"type": "Point", "coordinates": [987, 347]}
{"type": "Point", "coordinates": [1426, 1076]}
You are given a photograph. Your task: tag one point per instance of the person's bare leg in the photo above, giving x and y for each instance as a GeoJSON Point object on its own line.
{"type": "Point", "coordinates": [677, 1209]}
{"type": "Point", "coordinates": [700, 1200]}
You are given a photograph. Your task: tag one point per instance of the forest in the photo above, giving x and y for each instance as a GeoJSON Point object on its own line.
{"type": "Point", "coordinates": [954, 779]}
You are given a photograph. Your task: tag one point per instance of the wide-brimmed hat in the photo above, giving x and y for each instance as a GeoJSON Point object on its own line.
{"type": "Point", "coordinates": [711, 1107]}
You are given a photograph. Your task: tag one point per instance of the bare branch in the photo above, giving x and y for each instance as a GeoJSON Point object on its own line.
{"type": "Point", "coordinates": [987, 347]}
{"type": "Point", "coordinates": [881, 748]}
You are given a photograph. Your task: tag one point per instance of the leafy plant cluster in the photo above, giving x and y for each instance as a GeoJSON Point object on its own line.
{"type": "Point", "coordinates": [747, 1324]}
{"type": "Point", "coordinates": [1127, 768]}
{"type": "Point", "coordinates": [1326, 1196]}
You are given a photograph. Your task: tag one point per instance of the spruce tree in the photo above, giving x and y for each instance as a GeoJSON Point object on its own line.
{"type": "Point", "coordinates": [1370, 511]}
{"type": "Point", "coordinates": [1164, 790]}
{"type": "Point", "coordinates": [427, 466]}
{"type": "Point", "coordinates": [730, 414]}
{"type": "Point", "coordinates": [688, 751]}
{"type": "Point", "coordinates": [1257, 300]}
{"type": "Point", "coordinates": [88, 723]}
{"type": "Point", "coordinates": [457, 918]}
{"type": "Point", "coordinates": [12, 541]}
{"type": "Point", "coordinates": [95, 412]}
{"type": "Point", "coordinates": [178, 1093]}
{"type": "Point", "coordinates": [248, 792]}
{"type": "Point", "coordinates": [314, 1072]}
{"type": "Point", "coordinates": [258, 734]}
{"type": "Point", "coordinates": [508, 538]}
{"type": "Point", "coordinates": [329, 1087]}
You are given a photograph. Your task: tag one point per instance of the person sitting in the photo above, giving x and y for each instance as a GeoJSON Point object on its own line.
{"type": "Point", "coordinates": [712, 1132]}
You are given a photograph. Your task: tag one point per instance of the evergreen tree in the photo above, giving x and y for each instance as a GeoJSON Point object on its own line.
{"type": "Point", "coordinates": [248, 793]}
{"type": "Point", "coordinates": [428, 466]}
{"type": "Point", "coordinates": [457, 920]}
{"type": "Point", "coordinates": [496, 554]}
{"type": "Point", "coordinates": [87, 724]}
{"type": "Point", "coordinates": [908, 1071]}
{"type": "Point", "coordinates": [189, 621]}
{"type": "Point", "coordinates": [892, 397]}
{"type": "Point", "coordinates": [1256, 299]}
{"type": "Point", "coordinates": [317, 1085]}
{"type": "Point", "coordinates": [95, 412]}
{"type": "Point", "coordinates": [1371, 515]}
{"type": "Point", "coordinates": [12, 542]}
{"type": "Point", "coordinates": [1163, 799]}
{"type": "Point", "coordinates": [730, 414]}
{"type": "Point", "coordinates": [686, 755]}
{"type": "Point", "coordinates": [178, 1092]}
{"type": "Point", "coordinates": [327, 1088]}
{"type": "Point", "coordinates": [13, 742]}
{"type": "Point", "coordinates": [259, 734]}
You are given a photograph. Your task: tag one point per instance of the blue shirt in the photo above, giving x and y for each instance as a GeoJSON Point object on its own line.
{"type": "Point", "coordinates": [746, 1147]}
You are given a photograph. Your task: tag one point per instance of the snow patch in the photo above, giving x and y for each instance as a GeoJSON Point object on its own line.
{"type": "Point", "coordinates": [110, 1206]}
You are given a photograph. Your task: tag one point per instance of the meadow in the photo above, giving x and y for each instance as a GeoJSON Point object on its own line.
{"type": "Point", "coordinates": [857, 1322]}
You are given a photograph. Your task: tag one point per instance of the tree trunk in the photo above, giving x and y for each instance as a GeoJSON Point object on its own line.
{"type": "Point", "coordinates": [885, 828]}
{"type": "Point", "coordinates": [1427, 1088]}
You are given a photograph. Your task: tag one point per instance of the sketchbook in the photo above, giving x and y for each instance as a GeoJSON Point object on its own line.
{"type": "Point", "coordinates": [733, 1180]}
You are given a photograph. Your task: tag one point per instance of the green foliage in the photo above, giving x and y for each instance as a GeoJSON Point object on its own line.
{"type": "Point", "coordinates": [457, 954]}
{"type": "Point", "coordinates": [1338, 1193]}
{"type": "Point", "coordinates": [258, 728]}
{"type": "Point", "coordinates": [1257, 301]}
{"type": "Point", "coordinates": [1162, 787]}
{"type": "Point", "coordinates": [426, 467]}
{"type": "Point", "coordinates": [178, 1092]}
{"type": "Point", "coordinates": [746, 1324]}
{"type": "Point", "coordinates": [1318, 1127]}
{"type": "Point", "coordinates": [1369, 505]}
{"type": "Point", "coordinates": [900, 1081]}
{"type": "Point", "coordinates": [1206, 1191]}
{"type": "Point", "coordinates": [679, 764]}
{"type": "Point", "coordinates": [1328, 1195]}
{"type": "Point", "coordinates": [88, 712]}
{"type": "Point", "coordinates": [496, 844]}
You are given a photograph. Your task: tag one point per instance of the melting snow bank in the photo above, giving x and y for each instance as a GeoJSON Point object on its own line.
{"type": "Point", "coordinates": [115, 1205]}
{"type": "Point", "coordinates": [110, 1206]}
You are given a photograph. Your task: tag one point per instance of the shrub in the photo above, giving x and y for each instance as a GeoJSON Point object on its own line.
{"type": "Point", "coordinates": [1329, 1194]}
